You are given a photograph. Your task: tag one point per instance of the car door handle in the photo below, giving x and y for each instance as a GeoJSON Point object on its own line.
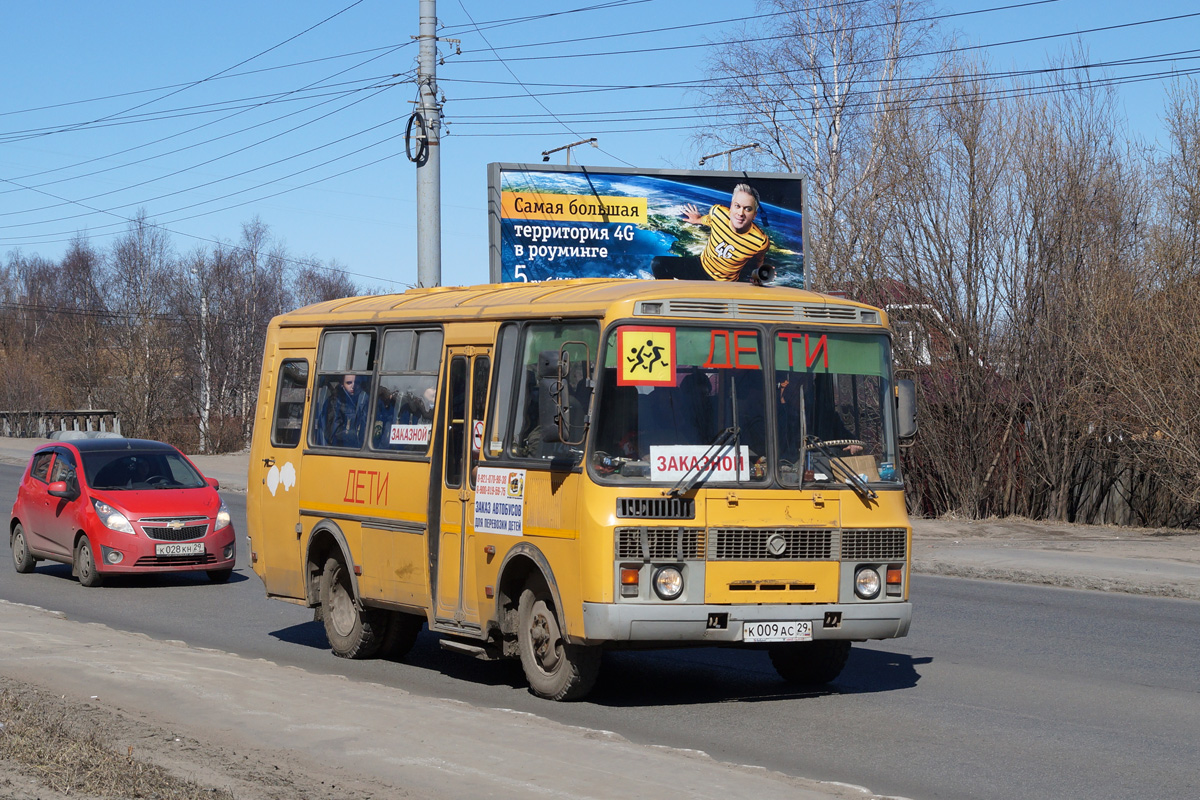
{"type": "Point", "coordinates": [268, 462]}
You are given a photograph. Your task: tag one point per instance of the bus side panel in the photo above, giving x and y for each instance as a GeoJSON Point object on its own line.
{"type": "Point", "coordinates": [381, 507]}
{"type": "Point", "coordinates": [550, 523]}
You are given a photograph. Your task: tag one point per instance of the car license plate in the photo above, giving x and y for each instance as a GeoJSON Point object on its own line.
{"type": "Point", "coordinates": [179, 549]}
{"type": "Point", "coordinates": [794, 631]}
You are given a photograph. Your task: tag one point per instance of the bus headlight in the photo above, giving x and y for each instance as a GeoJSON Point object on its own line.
{"type": "Point", "coordinates": [668, 583]}
{"type": "Point", "coordinates": [866, 583]}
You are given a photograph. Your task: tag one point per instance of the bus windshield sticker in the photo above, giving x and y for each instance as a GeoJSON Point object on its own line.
{"type": "Point", "coordinates": [500, 501]}
{"type": "Point", "coordinates": [671, 463]}
{"type": "Point", "coordinates": [647, 356]}
{"type": "Point", "coordinates": [409, 434]}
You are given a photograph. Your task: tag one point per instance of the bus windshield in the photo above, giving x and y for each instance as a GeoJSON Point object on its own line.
{"type": "Point", "coordinates": [743, 406]}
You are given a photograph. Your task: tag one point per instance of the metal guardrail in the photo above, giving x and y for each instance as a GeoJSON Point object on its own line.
{"type": "Point", "coordinates": [44, 424]}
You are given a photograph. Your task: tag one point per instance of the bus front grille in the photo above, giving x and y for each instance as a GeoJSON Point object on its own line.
{"type": "Point", "coordinates": [874, 544]}
{"type": "Point", "coordinates": [660, 543]}
{"type": "Point", "coordinates": [773, 544]}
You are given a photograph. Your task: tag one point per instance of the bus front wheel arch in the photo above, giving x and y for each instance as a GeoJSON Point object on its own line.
{"type": "Point", "coordinates": [555, 669]}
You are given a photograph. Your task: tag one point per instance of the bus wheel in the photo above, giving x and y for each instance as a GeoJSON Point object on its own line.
{"type": "Point", "coordinates": [400, 635]}
{"type": "Point", "coordinates": [555, 670]}
{"type": "Point", "coordinates": [352, 632]}
{"type": "Point", "coordinates": [810, 663]}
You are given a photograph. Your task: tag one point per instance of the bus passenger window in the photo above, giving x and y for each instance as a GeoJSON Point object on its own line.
{"type": "Point", "coordinates": [342, 397]}
{"type": "Point", "coordinates": [407, 391]}
{"type": "Point", "coordinates": [289, 403]}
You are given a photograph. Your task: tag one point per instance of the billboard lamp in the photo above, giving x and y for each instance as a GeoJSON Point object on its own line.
{"type": "Point", "coordinates": [729, 154]}
{"type": "Point", "coordinates": [567, 147]}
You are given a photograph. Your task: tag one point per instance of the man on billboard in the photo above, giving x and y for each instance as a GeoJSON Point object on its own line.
{"type": "Point", "coordinates": [736, 246]}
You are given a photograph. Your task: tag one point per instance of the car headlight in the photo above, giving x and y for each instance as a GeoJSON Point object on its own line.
{"type": "Point", "coordinates": [111, 518]}
{"type": "Point", "coordinates": [866, 583]}
{"type": "Point", "coordinates": [222, 517]}
{"type": "Point", "coordinates": [668, 583]}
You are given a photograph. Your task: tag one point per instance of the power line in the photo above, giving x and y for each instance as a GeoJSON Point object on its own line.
{"type": "Point", "coordinates": [535, 98]}
{"type": "Point", "coordinates": [227, 69]}
{"type": "Point", "coordinates": [202, 164]}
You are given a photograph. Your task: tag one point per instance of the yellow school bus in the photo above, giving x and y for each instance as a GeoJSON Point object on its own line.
{"type": "Point", "coordinates": [543, 471]}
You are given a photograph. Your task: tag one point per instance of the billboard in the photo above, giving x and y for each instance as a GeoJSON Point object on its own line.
{"type": "Point", "coordinates": [552, 222]}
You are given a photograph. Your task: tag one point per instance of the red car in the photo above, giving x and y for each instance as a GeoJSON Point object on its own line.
{"type": "Point", "coordinates": [110, 506]}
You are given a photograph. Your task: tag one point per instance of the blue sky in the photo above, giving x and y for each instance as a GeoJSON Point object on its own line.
{"type": "Point", "coordinates": [208, 114]}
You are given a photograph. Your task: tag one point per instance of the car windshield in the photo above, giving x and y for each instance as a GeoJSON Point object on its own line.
{"type": "Point", "coordinates": [137, 470]}
{"type": "Point", "coordinates": [693, 404]}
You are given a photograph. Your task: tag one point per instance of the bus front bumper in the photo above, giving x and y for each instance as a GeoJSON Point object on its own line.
{"type": "Point", "coordinates": [720, 624]}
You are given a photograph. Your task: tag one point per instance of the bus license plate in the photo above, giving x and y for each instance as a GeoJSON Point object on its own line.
{"type": "Point", "coordinates": [795, 631]}
{"type": "Point", "coordinates": [179, 549]}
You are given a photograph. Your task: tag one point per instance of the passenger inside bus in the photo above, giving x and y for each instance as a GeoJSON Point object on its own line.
{"type": "Point", "coordinates": [342, 416]}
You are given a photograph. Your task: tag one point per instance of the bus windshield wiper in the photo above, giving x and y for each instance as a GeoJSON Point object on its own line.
{"type": "Point", "coordinates": [851, 477]}
{"type": "Point", "coordinates": [688, 480]}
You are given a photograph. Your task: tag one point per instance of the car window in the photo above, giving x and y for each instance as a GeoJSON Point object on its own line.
{"type": "Point", "coordinates": [137, 470]}
{"type": "Point", "coordinates": [41, 465]}
{"type": "Point", "coordinates": [64, 466]}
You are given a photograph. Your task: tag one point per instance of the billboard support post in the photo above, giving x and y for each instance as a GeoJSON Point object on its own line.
{"type": "Point", "coordinates": [429, 168]}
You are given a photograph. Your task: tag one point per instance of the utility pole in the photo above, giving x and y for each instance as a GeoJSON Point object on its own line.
{"type": "Point", "coordinates": [429, 168]}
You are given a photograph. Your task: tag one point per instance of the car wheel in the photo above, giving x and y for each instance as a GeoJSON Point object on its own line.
{"type": "Point", "coordinates": [22, 561]}
{"type": "Point", "coordinates": [810, 663]}
{"type": "Point", "coordinates": [353, 632]}
{"type": "Point", "coordinates": [220, 575]}
{"type": "Point", "coordinates": [85, 564]}
{"type": "Point", "coordinates": [555, 669]}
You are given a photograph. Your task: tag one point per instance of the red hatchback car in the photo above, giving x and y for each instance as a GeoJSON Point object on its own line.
{"type": "Point", "coordinates": [110, 506]}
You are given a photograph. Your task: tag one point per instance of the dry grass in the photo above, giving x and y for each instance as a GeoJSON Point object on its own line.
{"type": "Point", "coordinates": [69, 755]}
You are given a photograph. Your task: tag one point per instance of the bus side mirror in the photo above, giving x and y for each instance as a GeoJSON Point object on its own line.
{"type": "Point", "coordinates": [906, 410]}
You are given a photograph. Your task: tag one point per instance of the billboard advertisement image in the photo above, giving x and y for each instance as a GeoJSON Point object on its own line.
{"type": "Point", "coordinates": [554, 222]}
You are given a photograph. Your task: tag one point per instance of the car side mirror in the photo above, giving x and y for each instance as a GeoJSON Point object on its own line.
{"type": "Point", "coordinates": [213, 482]}
{"type": "Point", "coordinates": [62, 489]}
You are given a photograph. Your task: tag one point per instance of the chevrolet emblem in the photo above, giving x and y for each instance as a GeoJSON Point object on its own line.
{"type": "Point", "coordinates": [175, 524]}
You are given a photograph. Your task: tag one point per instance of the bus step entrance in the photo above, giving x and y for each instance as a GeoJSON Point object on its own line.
{"type": "Point", "coordinates": [484, 652]}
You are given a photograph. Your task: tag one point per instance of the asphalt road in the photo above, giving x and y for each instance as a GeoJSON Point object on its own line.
{"type": "Point", "coordinates": [1000, 691]}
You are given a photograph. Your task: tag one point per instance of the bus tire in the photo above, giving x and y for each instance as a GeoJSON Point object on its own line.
{"type": "Point", "coordinates": [400, 634]}
{"type": "Point", "coordinates": [555, 669]}
{"type": "Point", "coordinates": [810, 663]}
{"type": "Point", "coordinates": [353, 632]}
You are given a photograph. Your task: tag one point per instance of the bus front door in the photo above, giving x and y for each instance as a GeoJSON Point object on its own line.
{"type": "Point", "coordinates": [465, 396]}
